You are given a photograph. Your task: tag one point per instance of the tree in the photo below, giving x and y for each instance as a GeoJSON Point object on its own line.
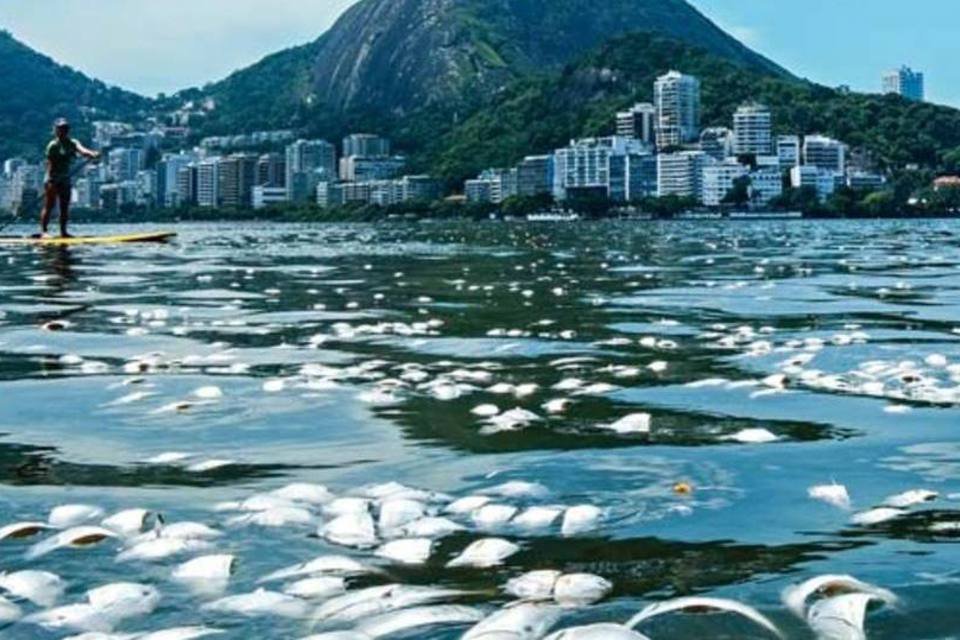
{"type": "Point", "coordinates": [739, 195]}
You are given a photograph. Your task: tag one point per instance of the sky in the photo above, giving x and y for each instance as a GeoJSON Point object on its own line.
{"type": "Point", "coordinates": [151, 46]}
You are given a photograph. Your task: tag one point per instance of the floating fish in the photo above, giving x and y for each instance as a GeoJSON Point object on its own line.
{"type": "Point", "coordinates": [525, 621]}
{"type": "Point", "coordinates": [491, 516]}
{"type": "Point", "coordinates": [407, 550]}
{"type": "Point", "coordinates": [795, 597]}
{"type": "Point", "coordinates": [128, 522]}
{"type": "Point", "coordinates": [315, 494]}
{"type": "Point", "coordinates": [20, 530]}
{"type": "Point", "coordinates": [876, 516]}
{"type": "Point", "coordinates": [910, 498]}
{"type": "Point", "coordinates": [580, 519]}
{"type": "Point", "coordinates": [487, 552]}
{"type": "Point", "coordinates": [124, 600]}
{"type": "Point", "coordinates": [261, 603]}
{"type": "Point", "coordinates": [323, 565]}
{"type": "Point", "coordinates": [72, 515]}
{"type": "Point", "coordinates": [597, 632]}
{"type": "Point", "coordinates": [9, 612]}
{"type": "Point", "coordinates": [580, 589]}
{"type": "Point", "coordinates": [351, 530]}
{"type": "Point", "coordinates": [395, 513]}
{"type": "Point", "coordinates": [213, 567]}
{"type": "Point", "coordinates": [704, 605]}
{"type": "Point", "coordinates": [406, 620]}
{"type": "Point", "coordinates": [161, 549]}
{"type": "Point", "coordinates": [533, 585]}
{"type": "Point", "coordinates": [372, 601]}
{"type": "Point", "coordinates": [633, 423]}
{"type": "Point", "coordinates": [41, 588]}
{"type": "Point", "coordinates": [320, 588]}
{"type": "Point", "coordinates": [537, 517]}
{"type": "Point", "coordinates": [77, 537]}
{"type": "Point", "coordinates": [841, 617]}
{"type": "Point", "coordinates": [433, 527]}
{"type": "Point", "coordinates": [833, 494]}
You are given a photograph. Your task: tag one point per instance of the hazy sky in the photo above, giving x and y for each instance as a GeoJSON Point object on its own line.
{"type": "Point", "coordinates": [166, 45]}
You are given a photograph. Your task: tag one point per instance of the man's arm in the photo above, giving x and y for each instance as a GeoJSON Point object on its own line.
{"type": "Point", "coordinates": [86, 153]}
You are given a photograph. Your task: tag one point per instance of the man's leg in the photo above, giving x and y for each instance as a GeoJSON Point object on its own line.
{"type": "Point", "coordinates": [49, 200]}
{"type": "Point", "coordinates": [64, 197]}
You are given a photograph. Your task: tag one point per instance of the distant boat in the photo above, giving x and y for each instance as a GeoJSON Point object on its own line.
{"type": "Point", "coordinates": [553, 216]}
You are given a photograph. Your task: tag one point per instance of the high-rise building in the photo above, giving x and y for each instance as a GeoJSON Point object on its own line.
{"type": "Point", "coordinates": [788, 152]}
{"type": "Point", "coordinates": [236, 175]}
{"type": "Point", "coordinates": [535, 175]}
{"type": "Point", "coordinates": [677, 103]}
{"type": "Point", "coordinates": [419, 188]}
{"type": "Point", "coordinates": [680, 174]}
{"type": "Point", "coordinates": [905, 82]}
{"type": "Point", "coordinates": [365, 145]}
{"type": "Point", "coordinates": [124, 163]}
{"type": "Point", "coordinates": [271, 170]}
{"type": "Point", "coordinates": [307, 163]}
{"type": "Point", "coordinates": [822, 180]}
{"type": "Point", "coordinates": [765, 184]}
{"type": "Point", "coordinates": [478, 190]}
{"type": "Point", "coordinates": [267, 196]}
{"type": "Point", "coordinates": [167, 171]}
{"type": "Point", "coordinates": [641, 176]}
{"type": "Point", "coordinates": [752, 130]}
{"type": "Point", "coordinates": [825, 153]}
{"type": "Point", "coordinates": [208, 183]}
{"type": "Point", "coordinates": [187, 186]}
{"type": "Point", "coordinates": [717, 143]}
{"type": "Point", "coordinates": [638, 122]}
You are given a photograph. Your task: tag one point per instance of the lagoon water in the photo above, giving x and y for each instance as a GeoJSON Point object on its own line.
{"type": "Point", "coordinates": [771, 357]}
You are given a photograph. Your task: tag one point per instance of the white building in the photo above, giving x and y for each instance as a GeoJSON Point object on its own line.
{"type": "Point", "coordinates": [366, 145]}
{"type": "Point", "coordinates": [752, 130]}
{"type": "Point", "coordinates": [367, 168]}
{"type": "Point", "coordinates": [718, 179]}
{"type": "Point", "coordinates": [167, 171]}
{"type": "Point", "coordinates": [124, 163]}
{"type": "Point", "coordinates": [680, 174]}
{"type": "Point", "coordinates": [584, 165]}
{"type": "Point", "coordinates": [865, 181]}
{"type": "Point", "coordinates": [788, 151]}
{"type": "Point", "coordinates": [478, 190]}
{"type": "Point", "coordinates": [677, 103]}
{"type": "Point", "coordinates": [824, 181]}
{"type": "Point", "coordinates": [265, 196]}
{"type": "Point", "coordinates": [825, 153]}
{"type": "Point", "coordinates": [638, 122]}
{"type": "Point", "coordinates": [904, 82]}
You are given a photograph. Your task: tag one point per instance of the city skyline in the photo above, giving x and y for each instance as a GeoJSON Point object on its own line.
{"type": "Point", "coordinates": [130, 39]}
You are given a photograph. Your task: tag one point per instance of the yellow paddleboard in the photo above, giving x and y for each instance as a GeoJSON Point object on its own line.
{"type": "Point", "coordinates": [158, 236]}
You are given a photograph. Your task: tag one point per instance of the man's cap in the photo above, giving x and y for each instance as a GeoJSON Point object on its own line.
{"type": "Point", "coordinates": [61, 122]}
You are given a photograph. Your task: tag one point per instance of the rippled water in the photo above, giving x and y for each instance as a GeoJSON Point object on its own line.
{"type": "Point", "coordinates": [354, 355]}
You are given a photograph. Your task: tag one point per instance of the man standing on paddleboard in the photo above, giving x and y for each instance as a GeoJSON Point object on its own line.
{"type": "Point", "coordinates": [57, 189]}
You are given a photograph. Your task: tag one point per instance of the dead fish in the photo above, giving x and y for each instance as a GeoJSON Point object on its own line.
{"type": "Point", "coordinates": [356, 605]}
{"type": "Point", "coordinates": [72, 515]}
{"type": "Point", "coordinates": [128, 522]}
{"type": "Point", "coordinates": [876, 516]}
{"type": "Point", "coordinates": [833, 494]}
{"type": "Point", "coordinates": [704, 605]}
{"type": "Point", "coordinates": [467, 504]}
{"type": "Point", "coordinates": [795, 597]}
{"type": "Point", "coordinates": [314, 494]}
{"type": "Point", "coordinates": [212, 567]}
{"type": "Point", "coordinates": [39, 587]}
{"type": "Point", "coordinates": [181, 633]}
{"type": "Point", "coordinates": [395, 513]}
{"type": "Point", "coordinates": [533, 585]}
{"type": "Point", "coordinates": [261, 603]}
{"type": "Point", "coordinates": [518, 489]}
{"type": "Point", "coordinates": [433, 527]}
{"type": "Point", "coordinates": [418, 617]}
{"type": "Point", "coordinates": [487, 552]}
{"type": "Point", "coordinates": [124, 600]}
{"type": "Point", "coordinates": [491, 516]}
{"type": "Point", "coordinates": [276, 517]}
{"type": "Point", "coordinates": [633, 423]}
{"type": "Point", "coordinates": [351, 530]}
{"type": "Point", "coordinates": [320, 588]}
{"type": "Point", "coordinates": [76, 538]}
{"type": "Point", "coordinates": [20, 530]}
{"type": "Point", "coordinates": [580, 589]}
{"type": "Point", "coordinates": [406, 550]}
{"type": "Point", "coordinates": [910, 498]}
{"type": "Point", "coordinates": [580, 519]}
{"type": "Point", "coordinates": [840, 618]}
{"type": "Point", "coordinates": [525, 621]}
{"type": "Point", "coordinates": [323, 565]}
{"type": "Point", "coordinates": [537, 517]}
{"type": "Point", "coordinates": [162, 548]}
{"type": "Point", "coordinates": [597, 632]}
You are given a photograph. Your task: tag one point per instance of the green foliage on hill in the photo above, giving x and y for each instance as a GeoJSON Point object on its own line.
{"type": "Point", "coordinates": [538, 115]}
{"type": "Point", "coordinates": [35, 90]}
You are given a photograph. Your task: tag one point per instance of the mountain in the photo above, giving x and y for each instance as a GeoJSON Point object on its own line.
{"type": "Point", "coordinates": [391, 58]}
{"type": "Point", "coordinates": [35, 90]}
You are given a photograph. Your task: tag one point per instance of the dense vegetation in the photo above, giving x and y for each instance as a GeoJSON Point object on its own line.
{"type": "Point", "coordinates": [35, 90]}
